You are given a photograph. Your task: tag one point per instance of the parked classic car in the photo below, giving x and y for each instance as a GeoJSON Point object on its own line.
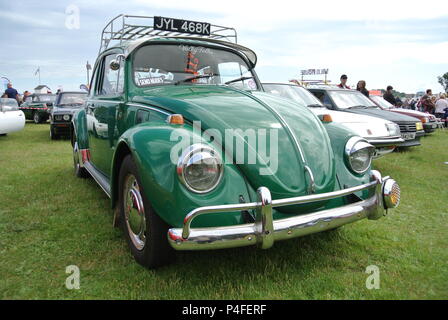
{"type": "Point", "coordinates": [177, 112]}
{"type": "Point", "coordinates": [61, 113]}
{"type": "Point", "coordinates": [382, 134]}
{"type": "Point", "coordinates": [36, 107]}
{"type": "Point", "coordinates": [428, 120]}
{"type": "Point", "coordinates": [11, 118]}
{"type": "Point", "coordinates": [355, 102]}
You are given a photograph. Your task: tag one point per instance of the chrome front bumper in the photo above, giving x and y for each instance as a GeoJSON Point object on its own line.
{"type": "Point", "coordinates": [265, 230]}
{"type": "Point", "coordinates": [385, 141]}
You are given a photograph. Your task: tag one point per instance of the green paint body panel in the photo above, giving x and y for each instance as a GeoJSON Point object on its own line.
{"type": "Point", "coordinates": [112, 129]}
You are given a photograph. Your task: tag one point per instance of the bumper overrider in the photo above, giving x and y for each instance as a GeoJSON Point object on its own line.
{"type": "Point", "coordinates": [265, 231]}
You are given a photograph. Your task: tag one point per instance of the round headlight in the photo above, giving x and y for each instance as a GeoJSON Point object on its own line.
{"type": "Point", "coordinates": [66, 117]}
{"type": "Point", "coordinates": [359, 154]}
{"type": "Point", "coordinates": [200, 168]}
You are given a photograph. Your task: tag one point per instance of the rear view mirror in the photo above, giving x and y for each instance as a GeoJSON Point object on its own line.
{"type": "Point", "coordinates": [115, 64]}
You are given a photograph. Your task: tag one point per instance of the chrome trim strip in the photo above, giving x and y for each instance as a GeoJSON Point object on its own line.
{"type": "Point", "coordinates": [98, 177]}
{"type": "Point", "coordinates": [275, 203]}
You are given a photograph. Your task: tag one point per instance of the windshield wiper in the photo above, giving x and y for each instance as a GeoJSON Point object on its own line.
{"type": "Point", "coordinates": [194, 78]}
{"type": "Point", "coordinates": [315, 105]}
{"type": "Point", "coordinates": [239, 79]}
{"type": "Point", "coordinates": [358, 106]}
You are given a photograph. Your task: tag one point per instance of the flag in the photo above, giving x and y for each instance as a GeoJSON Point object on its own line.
{"type": "Point", "coordinates": [88, 66]}
{"type": "Point", "coordinates": [37, 71]}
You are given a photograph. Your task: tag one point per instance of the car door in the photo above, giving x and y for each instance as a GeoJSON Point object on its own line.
{"type": "Point", "coordinates": [102, 109]}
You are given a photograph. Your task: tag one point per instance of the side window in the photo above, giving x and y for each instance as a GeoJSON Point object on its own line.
{"type": "Point", "coordinates": [93, 85]}
{"type": "Point", "coordinates": [142, 116]}
{"type": "Point", "coordinates": [327, 101]}
{"type": "Point", "coordinates": [319, 95]}
{"type": "Point", "coordinates": [112, 80]}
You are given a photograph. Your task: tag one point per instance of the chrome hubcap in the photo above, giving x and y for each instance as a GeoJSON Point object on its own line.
{"type": "Point", "coordinates": [134, 212]}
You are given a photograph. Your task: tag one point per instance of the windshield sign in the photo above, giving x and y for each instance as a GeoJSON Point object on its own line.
{"type": "Point", "coordinates": [295, 93]}
{"type": "Point", "coordinates": [349, 99]}
{"type": "Point", "coordinates": [190, 64]}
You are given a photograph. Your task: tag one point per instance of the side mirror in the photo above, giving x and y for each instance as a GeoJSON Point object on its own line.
{"type": "Point", "coordinates": [115, 64]}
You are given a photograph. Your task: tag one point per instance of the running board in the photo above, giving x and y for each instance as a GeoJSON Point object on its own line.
{"type": "Point", "coordinates": [100, 178]}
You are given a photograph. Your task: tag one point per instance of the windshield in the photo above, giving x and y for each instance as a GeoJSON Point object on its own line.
{"type": "Point", "coordinates": [382, 102]}
{"type": "Point", "coordinates": [345, 99]}
{"type": "Point", "coordinates": [293, 92]}
{"type": "Point", "coordinates": [72, 99]}
{"type": "Point", "coordinates": [44, 98]}
{"type": "Point", "coordinates": [8, 104]}
{"type": "Point", "coordinates": [190, 64]}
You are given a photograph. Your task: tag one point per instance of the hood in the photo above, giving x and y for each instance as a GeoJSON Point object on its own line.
{"type": "Point", "coordinates": [383, 114]}
{"type": "Point", "coordinates": [302, 140]}
{"type": "Point", "coordinates": [362, 125]}
{"type": "Point", "coordinates": [412, 113]}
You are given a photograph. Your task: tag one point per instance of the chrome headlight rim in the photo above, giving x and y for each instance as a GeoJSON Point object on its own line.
{"type": "Point", "coordinates": [355, 144]}
{"type": "Point", "coordinates": [185, 158]}
{"type": "Point", "coordinates": [66, 117]}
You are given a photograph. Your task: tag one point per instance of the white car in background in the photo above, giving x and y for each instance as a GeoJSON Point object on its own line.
{"type": "Point", "coordinates": [11, 118]}
{"type": "Point", "coordinates": [384, 135]}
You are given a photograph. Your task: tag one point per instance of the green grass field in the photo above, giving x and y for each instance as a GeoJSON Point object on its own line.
{"type": "Point", "coordinates": [49, 220]}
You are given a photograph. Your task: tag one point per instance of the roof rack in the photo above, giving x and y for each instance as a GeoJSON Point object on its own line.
{"type": "Point", "coordinates": [129, 27]}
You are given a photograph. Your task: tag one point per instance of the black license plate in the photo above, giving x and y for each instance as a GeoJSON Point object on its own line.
{"type": "Point", "coordinates": [183, 26]}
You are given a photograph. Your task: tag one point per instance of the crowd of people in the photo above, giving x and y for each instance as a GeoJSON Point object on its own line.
{"type": "Point", "coordinates": [12, 93]}
{"type": "Point", "coordinates": [429, 103]}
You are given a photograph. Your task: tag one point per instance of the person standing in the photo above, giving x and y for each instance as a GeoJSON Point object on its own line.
{"type": "Point", "coordinates": [389, 96]}
{"type": "Point", "coordinates": [361, 86]}
{"type": "Point", "coordinates": [441, 105]}
{"type": "Point", "coordinates": [343, 83]}
{"type": "Point", "coordinates": [427, 103]}
{"type": "Point", "coordinates": [11, 92]}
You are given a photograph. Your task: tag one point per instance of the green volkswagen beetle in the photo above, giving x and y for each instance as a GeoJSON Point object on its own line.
{"type": "Point", "coordinates": [194, 155]}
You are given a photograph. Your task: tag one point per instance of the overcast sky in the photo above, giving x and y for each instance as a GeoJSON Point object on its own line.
{"type": "Point", "coordinates": [398, 43]}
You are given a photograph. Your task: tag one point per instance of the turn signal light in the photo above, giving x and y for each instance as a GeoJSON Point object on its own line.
{"type": "Point", "coordinates": [175, 119]}
{"type": "Point", "coordinates": [325, 118]}
{"type": "Point", "coordinates": [419, 126]}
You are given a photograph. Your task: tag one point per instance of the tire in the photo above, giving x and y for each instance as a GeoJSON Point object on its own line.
{"type": "Point", "coordinates": [53, 136]}
{"type": "Point", "coordinates": [80, 172]}
{"type": "Point", "coordinates": [36, 118]}
{"type": "Point", "coordinates": [145, 231]}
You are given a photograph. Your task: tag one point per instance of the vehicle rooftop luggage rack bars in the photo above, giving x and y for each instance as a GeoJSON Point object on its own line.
{"type": "Point", "coordinates": [130, 27]}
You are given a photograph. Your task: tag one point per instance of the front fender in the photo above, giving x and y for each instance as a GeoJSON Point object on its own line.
{"type": "Point", "coordinates": [79, 124]}
{"type": "Point", "coordinates": [150, 145]}
{"type": "Point", "coordinates": [339, 135]}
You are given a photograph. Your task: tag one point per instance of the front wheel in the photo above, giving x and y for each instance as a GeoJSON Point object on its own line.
{"type": "Point", "coordinates": [145, 231]}
{"type": "Point", "coordinates": [80, 172]}
{"type": "Point", "coordinates": [53, 135]}
{"type": "Point", "coordinates": [37, 118]}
